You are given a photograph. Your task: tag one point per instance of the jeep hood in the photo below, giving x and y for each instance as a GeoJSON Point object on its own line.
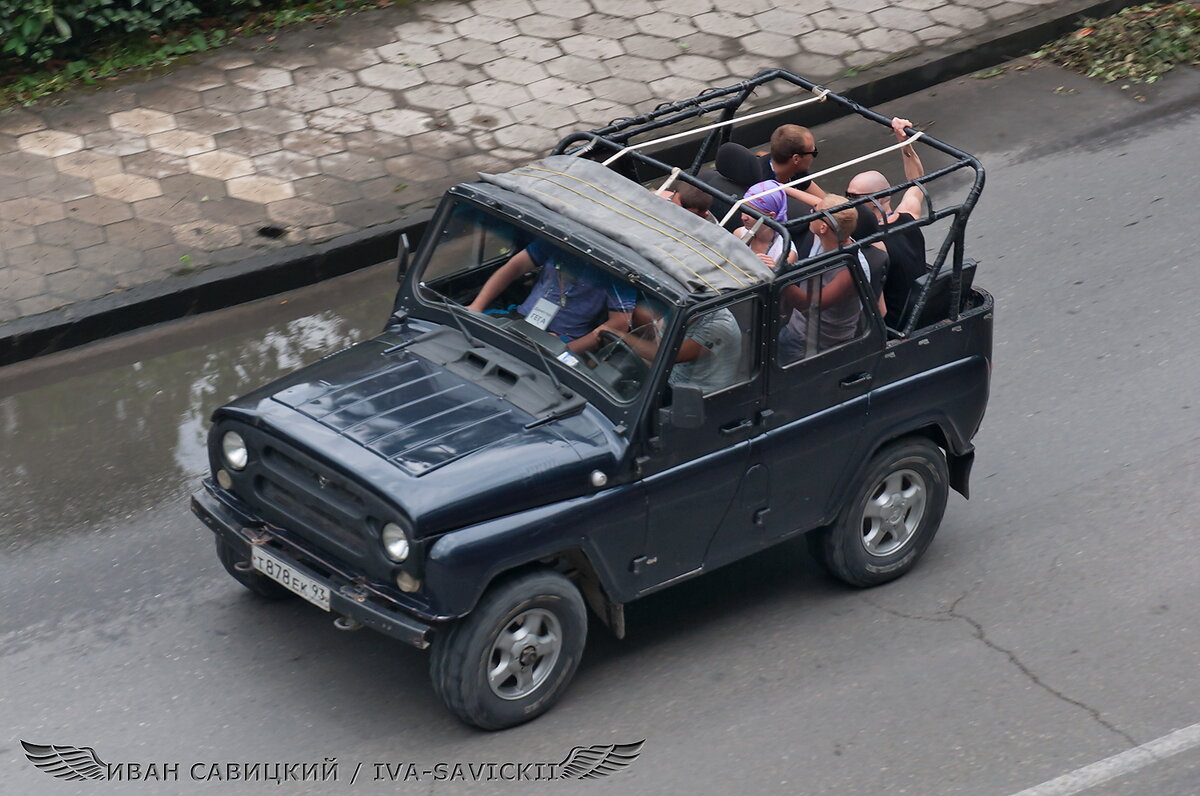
{"type": "Point", "coordinates": [445, 450]}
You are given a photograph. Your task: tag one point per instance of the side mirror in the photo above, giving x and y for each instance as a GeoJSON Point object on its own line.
{"type": "Point", "coordinates": [402, 257]}
{"type": "Point", "coordinates": [686, 409]}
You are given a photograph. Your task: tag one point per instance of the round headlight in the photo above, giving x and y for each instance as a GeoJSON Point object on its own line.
{"type": "Point", "coordinates": [234, 448]}
{"type": "Point", "coordinates": [395, 542]}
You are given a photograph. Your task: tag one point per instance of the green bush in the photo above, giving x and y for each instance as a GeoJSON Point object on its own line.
{"type": "Point", "coordinates": [36, 31]}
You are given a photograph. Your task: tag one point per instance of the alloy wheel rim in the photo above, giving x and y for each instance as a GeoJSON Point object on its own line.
{"type": "Point", "coordinates": [893, 512]}
{"type": "Point", "coordinates": [524, 654]}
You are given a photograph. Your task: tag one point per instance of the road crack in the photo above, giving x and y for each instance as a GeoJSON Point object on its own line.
{"type": "Point", "coordinates": [952, 614]}
{"type": "Point", "coordinates": [981, 634]}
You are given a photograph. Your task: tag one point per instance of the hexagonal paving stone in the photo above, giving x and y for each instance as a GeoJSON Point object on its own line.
{"type": "Point", "coordinates": [407, 53]}
{"type": "Point", "coordinates": [221, 165]}
{"type": "Point", "coordinates": [698, 67]}
{"type": "Point", "coordinates": [127, 187]}
{"type": "Point", "coordinates": [546, 27]}
{"type": "Point", "coordinates": [181, 143]}
{"type": "Point", "coordinates": [88, 164]}
{"type": "Point", "coordinates": [777, 45]}
{"type": "Point", "coordinates": [499, 93]}
{"type": "Point", "coordinates": [338, 120]}
{"type": "Point", "coordinates": [156, 165]}
{"type": "Point", "coordinates": [17, 284]}
{"type": "Point", "coordinates": [552, 117]}
{"type": "Point", "coordinates": [159, 261]}
{"type": "Point", "coordinates": [376, 144]}
{"type": "Point", "coordinates": [110, 259]}
{"type": "Point", "coordinates": [957, 16]}
{"type": "Point", "coordinates": [526, 136]}
{"type": "Point", "coordinates": [889, 41]}
{"type": "Point", "coordinates": [75, 117]}
{"type": "Point", "coordinates": [841, 20]}
{"type": "Point", "coordinates": [39, 304]}
{"type": "Point", "coordinates": [694, 8]}
{"type": "Point", "coordinates": [352, 166]}
{"type": "Point", "coordinates": [260, 78]}
{"type": "Point", "coordinates": [234, 98]}
{"type": "Point", "coordinates": [143, 121]}
{"type": "Point", "coordinates": [486, 29]}
{"type": "Point", "coordinates": [207, 235]}
{"type": "Point", "coordinates": [248, 142]}
{"type": "Point", "coordinates": [666, 25]}
{"type": "Point", "coordinates": [50, 143]}
{"type": "Point", "coordinates": [784, 20]}
{"type": "Point", "coordinates": [585, 45]}
{"type": "Point", "coordinates": [515, 70]}
{"type": "Point", "coordinates": [401, 121]}
{"type": "Point", "coordinates": [565, 9]}
{"type": "Point", "coordinates": [116, 142]}
{"type": "Point", "coordinates": [362, 99]}
{"type": "Point", "coordinates": [366, 212]}
{"type": "Point", "coordinates": [469, 52]}
{"type": "Point", "coordinates": [722, 23]}
{"type": "Point", "coordinates": [230, 59]}
{"type": "Point", "coordinates": [391, 76]}
{"type": "Point", "coordinates": [71, 233]}
{"type": "Point", "coordinates": [300, 213]}
{"type": "Point", "coordinates": [59, 187]}
{"type": "Point", "coordinates": [40, 258]}
{"type": "Point", "coordinates": [315, 142]}
{"type": "Point", "coordinates": [15, 234]}
{"type": "Point", "coordinates": [628, 92]}
{"type": "Point", "coordinates": [18, 122]}
{"type": "Point", "coordinates": [32, 211]}
{"type": "Point", "coordinates": [273, 120]}
{"type": "Point", "coordinates": [557, 91]}
{"type": "Point", "coordinates": [193, 187]}
{"type": "Point", "coordinates": [480, 117]}
{"type": "Point", "coordinates": [168, 98]}
{"type": "Point", "coordinates": [138, 234]}
{"type": "Point", "coordinates": [324, 78]}
{"type": "Point", "coordinates": [263, 190]}
{"type": "Point", "coordinates": [502, 9]}
{"type": "Point", "coordinates": [436, 97]}
{"type": "Point", "coordinates": [99, 210]}
{"type": "Point", "coordinates": [237, 212]}
{"type": "Point", "coordinates": [23, 166]}
{"type": "Point", "coordinates": [207, 120]}
{"type": "Point", "coordinates": [326, 190]}
{"type": "Point", "coordinates": [901, 18]}
{"type": "Point", "coordinates": [426, 32]}
{"type": "Point", "coordinates": [198, 78]}
{"type": "Point", "coordinates": [286, 165]}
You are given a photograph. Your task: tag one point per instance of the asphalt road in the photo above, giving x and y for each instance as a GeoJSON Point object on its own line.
{"type": "Point", "coordinates": [1052, 624]}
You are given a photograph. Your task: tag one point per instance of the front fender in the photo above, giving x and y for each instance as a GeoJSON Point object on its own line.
{"type": "Point", "coordinates": [608, 527]}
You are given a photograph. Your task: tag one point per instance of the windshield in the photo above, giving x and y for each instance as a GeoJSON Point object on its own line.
{"type": "Point", "coordinates": [591, 321]}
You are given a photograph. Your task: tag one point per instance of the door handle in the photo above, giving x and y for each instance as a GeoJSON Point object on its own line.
{"type": "Point", "coordinates": [855, 380]}
{"type": "Point", "coordinates": [734, 428]}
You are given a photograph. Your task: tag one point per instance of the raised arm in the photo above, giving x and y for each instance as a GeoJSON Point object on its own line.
{"type": "Point", "coordinates": [913, 202]}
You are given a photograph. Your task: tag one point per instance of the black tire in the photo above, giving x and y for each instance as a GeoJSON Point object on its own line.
{"type": "Point", "coordinates": [256, 582]}
{"type": "Point", "coordinates": [541, 611]}
{"type": "Point", "coordinates": [890, 518]}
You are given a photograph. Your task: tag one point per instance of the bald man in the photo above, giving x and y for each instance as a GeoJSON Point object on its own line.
{"type": "Point", "coordinates": [906, 249]}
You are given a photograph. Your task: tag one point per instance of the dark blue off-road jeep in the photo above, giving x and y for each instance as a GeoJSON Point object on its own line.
{"type": "Point", "coordinates": [474, 480]}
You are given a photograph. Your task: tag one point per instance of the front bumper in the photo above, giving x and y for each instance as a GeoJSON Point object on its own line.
{"type": "Point", "coordinates": [348, 596]}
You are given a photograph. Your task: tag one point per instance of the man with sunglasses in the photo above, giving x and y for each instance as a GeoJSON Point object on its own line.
{"type": "Point", "coordinates": [793, 149]}
{"type": "Point", "coordinates": [906, 248]}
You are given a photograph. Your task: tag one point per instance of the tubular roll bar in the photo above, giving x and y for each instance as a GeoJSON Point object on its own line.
{"type": "Point", "coordinates": [614, 139]}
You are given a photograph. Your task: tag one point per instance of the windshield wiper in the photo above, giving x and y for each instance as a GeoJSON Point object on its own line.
{"type": "Point", "coordinates": [517, 333]}
{"type": "Point", "coordinates": [462, 327]}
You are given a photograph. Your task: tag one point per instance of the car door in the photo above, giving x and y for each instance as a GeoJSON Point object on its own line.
{"type": "Point", "coordinates": [692, 476]}
{"type": "Point", "coordinates": [817, 397]}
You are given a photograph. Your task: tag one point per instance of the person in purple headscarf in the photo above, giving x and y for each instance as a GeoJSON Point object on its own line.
{"type": "Point", "coordinates": [768, 198]}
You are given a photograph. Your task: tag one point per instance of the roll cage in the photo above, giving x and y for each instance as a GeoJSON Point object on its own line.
{"type": "Point", "coordinates": [653, 158]}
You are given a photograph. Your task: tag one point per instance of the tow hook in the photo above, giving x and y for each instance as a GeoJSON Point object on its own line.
{"type": "Point", "coordinates": [347, 624]}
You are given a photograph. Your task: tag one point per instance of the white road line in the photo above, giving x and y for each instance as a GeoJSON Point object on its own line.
{"type": "Point", "coordinates": [1118, 765]}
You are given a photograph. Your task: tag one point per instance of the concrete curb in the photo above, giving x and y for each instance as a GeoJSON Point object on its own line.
{"type": "Point", "coordinates": [298, 266]}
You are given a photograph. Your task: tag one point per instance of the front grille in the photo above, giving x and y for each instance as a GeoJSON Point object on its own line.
{"type": "Point", "coordinates": [290, 489]}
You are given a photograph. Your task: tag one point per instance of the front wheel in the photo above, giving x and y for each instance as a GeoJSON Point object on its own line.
{"type": "Point", "coordinates": [891, 518]}
{"type": "Point", "coordinates": [511, 659]}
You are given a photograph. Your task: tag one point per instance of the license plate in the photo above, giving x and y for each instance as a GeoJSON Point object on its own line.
{"type": "Point", "coordinates": [289, 577]}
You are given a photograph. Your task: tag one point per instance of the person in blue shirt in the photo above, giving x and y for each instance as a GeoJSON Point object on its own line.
{"type": "Point", "coordinates": [568, 297]}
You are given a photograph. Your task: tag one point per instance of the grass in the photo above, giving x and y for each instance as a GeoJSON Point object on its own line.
{"type": "Point", "coordinates": [1139, 44]}
{"type": "Point", "coordinates": [23, 85]}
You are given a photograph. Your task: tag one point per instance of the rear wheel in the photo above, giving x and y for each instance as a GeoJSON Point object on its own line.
{"type": "Point", "coordinates": [511, 659]}
{"type": "Point", "coordinates": [256, 582]}
{"type": "Point", "coordinates": [892, 517]}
